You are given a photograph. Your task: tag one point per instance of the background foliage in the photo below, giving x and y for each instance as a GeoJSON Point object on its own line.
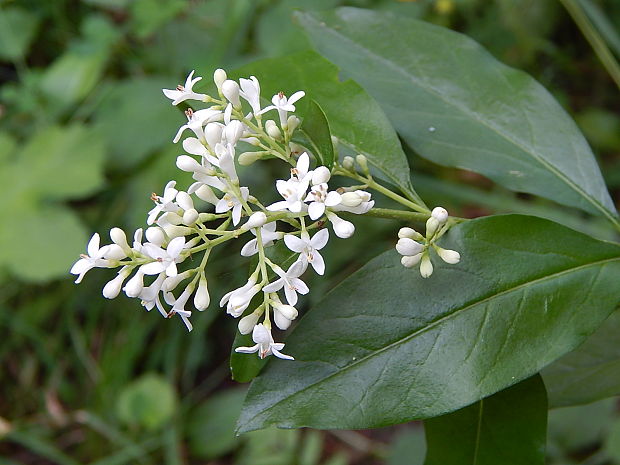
{"type": "Point", "coordinates": [85, 137]}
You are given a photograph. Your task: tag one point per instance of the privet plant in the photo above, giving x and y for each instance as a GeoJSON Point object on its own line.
{"type": "Point", "coordinates": [462, 315]}
{"type": "Point", "coordinates": [177, 231]}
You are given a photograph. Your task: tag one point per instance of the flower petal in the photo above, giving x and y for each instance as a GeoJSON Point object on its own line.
{"type": "Point", "coordinates": [294, 243]}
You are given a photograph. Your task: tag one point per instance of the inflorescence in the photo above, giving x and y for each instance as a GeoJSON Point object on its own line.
{"type": "Point", "coordinates": [178, 230]}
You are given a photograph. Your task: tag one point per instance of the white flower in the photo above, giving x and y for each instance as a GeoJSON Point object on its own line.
{"type": "Point", "coordinates": [150, 295]}
{"type": "Point", "coordinates": [283, 315]}
{"type": "Point", "coordinates": [182, 93]}
{"type": "Point", "coordinates": [165, 260]}
{"type": "Point", "coordinates": [250, 91]}
{"type": "Point", "coordinates": [237, 300]}
{"type": "Point", "coordinates": [320, 198]}
{"type": "Point", "coordinates": [202, 299]}
{"type": "Point", "coordinates": [226, 159]}
{"type": "Point", "coordinates": [247, 323]}
{"type": "Point", "coordinates": [137, 240]}
{"type": "Point", "coordinates": [268, 234]}
{"type": "Point", "coordinates": [193, 146]}
{"type": "Point", "coordinates": [343, 228]}
{"type": "Point", "coordinates": [290, 281]}
{"type": "Point", "coordinates": [163, 204]}
{"type": "Point", "coordinates": [283, 105]}
{"type": "Point", "coordinates": [178, 306]}
{"type": "Point", "coordinates": [230, 201]}
{"type": "Point", "coordinates": [264, 344]}
{"type": "Point", "coordinates": [94, 259]}
{"type": "Point", "coordinates": [196, 120]}
{"type": "Point", "coordinates": [294, 190]}
{"type": "Point", "coordinates": [309, 248]}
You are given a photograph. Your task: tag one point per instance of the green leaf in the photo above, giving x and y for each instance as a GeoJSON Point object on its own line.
{"type": "Point", "coordinates": [507, 427]}
{"type": "Point", "coordinates": [148, 402]}
{"type": "Point", "coordinates": [55, 164]}
{"type": "Point", "coordinates": [386, 346]}
{"type": "Point", "coordinates": [17, 29]}
{"type": "Point", "coordinates": [211, 426]}
{"type": "Point", "coordinates": [136, 118]}
{"type": "Point", "coordinates": [149, 15]}
{"type": "Point", "coordinates": [590, 372]}
{"type": "Point", "coordinates": [43, 244]}
{"type": "Point", "coordinates": [457, 106]}
{"type": "Point", "coordinates": [354, 117]}
{"type": "Point", "coordinates": [64, 162]}
{"type": "Point", "coordinates": [315, 128]}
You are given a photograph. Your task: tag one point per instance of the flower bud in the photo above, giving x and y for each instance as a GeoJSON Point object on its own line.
{"type": "Point", "coordinates": [256, 220]}
{"type": "Point", "coordinates": [119, 238]}
{"type": "Point", "coordinates": [292, 123]}
{"type": "Point", "coordinates": [230, 89]}
{"type": "Point", "coordinates": [406, 246]}
{"type": "Point", "coordinates": [206, 217]}
{"type": "Point", "coordinates": [431, 226]}
{"type": "Point", "coordinates": [205, 193]}
{"type": "Point", "coordinates": [426, 267]}
{"type": "Point", "coordinates": [320, 175]}
{"type": "Point", "coordinates": [171, 218]}
{"type": "Point", "coordinates": [114, 252]}
{"type": "Point", "coordinates": [234, 131]}
{"type": "Point", "coordinates": [411, 260]}
{"type": "Point", "coordinates": [219, 77]}
{"type": "Point", "coordinates": [348, 163]}
{"type": "Point", "coordinates": [134, 286]}
{"type": "Point", "coordinates": [202, 298]}
{"type": "Point", "coordinates": [409, 233]}
{"type": "Point", "coordinates": [155, 235]}
{"type": "Point", "coordinates": [247, 158]}
{"type": "Point", "coordinates": [452, 257]}
{"type": "Point", "coordinates": [190, 216]}
{"type": "Point", "coordinates": [188, 164]}
{"type": "Point", "coordinates": [171, 282]}
{"type": "Point", "coordinates": [350, 199]}
{"type": "Point", "coordinates": [440, 214]}
{"type": "Point", "coordinates": [363, 162]}
{"type": "Point", "coordinates": [273, 130]}
{"type": "Point", "coordinates": [113, 287]}
{"type": "Point", "coordinates": [343, 228]}
{"type": "Point", "coordinates": [213, 133]}
{"type": "Point", "coordinates": [288, 311]}
{"type": "Point", "coordinates": [177, 231]}
{"type": "Point", "coordinates": [184, 200]}
{"type": "Point", "coordinates": [247, 323]}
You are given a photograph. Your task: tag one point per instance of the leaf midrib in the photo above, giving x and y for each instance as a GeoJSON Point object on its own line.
{"type": "Point", "coordinates": [483, 122]}
{"type": "Point", "coordinates": [437, 322]}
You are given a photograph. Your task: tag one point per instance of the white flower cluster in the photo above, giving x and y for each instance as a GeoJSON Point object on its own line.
{"type": "Point", "coordinates": [415, 248]}
{"type": "Point", "coordinates": [178, 230]}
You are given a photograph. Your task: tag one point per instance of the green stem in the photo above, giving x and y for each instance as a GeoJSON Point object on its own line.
{"type": "Point", "coordinates": [391, 214]}
{"type": "Point", "coordinates": [595, 40]}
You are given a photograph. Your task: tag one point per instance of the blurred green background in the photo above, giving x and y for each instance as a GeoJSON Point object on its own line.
{"type": "Point", "coordinates": [86, 136]}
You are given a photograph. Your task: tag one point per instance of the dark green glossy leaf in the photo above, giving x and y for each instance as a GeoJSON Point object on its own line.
{"type": "Point", "coordinates": [386, 346]}
{"type": "Point", "coordinates": [354, 117]}
{"type": "Point", "coordinates": [457, 106]}
{"type": "Point", "coordinates": [590, 372]}
{"type": "Point", "coordinates": [508, 427]}
{"type": "Point", "coordinates": [316, 129]}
